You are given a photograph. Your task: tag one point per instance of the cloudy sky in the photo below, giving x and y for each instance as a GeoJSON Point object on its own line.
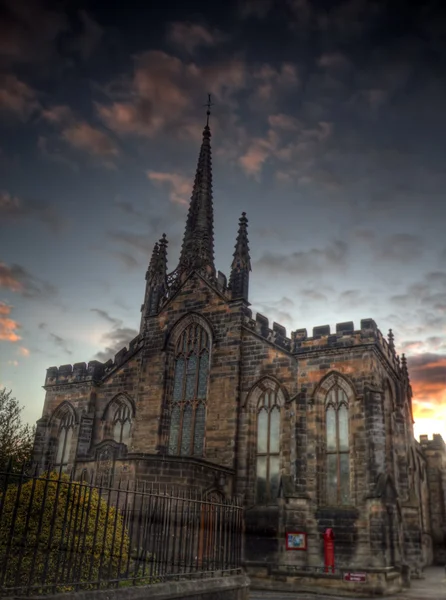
{"type": "Point", "coordinates": [328, 129]}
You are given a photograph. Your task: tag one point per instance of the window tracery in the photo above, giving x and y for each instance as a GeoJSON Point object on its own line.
{"type": "Point", "coordinates": [268, 448]}
{"type": "Point", "coordinates": [337, 447]}
{"type": "Point", "coordinates": [122, 422]}
{"type": "Point", "coordinates": [188, 401]}
{"type": "Point", "coordinates": [64, 438]}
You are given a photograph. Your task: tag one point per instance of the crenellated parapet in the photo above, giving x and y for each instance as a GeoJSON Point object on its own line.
{"type": "Point", "coordinates": [345, 335]}
{"type": "Point", "coordinates": [436, 443]}
{"type": "Point", "coordinates": [322, 338]}
{"type": "Point", "coordinates": [260, 325]}
{"type": "Point", "coordinates": [93, 372]}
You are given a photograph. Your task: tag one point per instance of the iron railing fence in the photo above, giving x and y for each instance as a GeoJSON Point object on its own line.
{"type": "Point", "coordinates": [60, 534]}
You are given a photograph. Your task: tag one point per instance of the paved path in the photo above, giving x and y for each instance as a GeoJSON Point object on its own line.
{"type": "Point", "coordinates": [432, 587]}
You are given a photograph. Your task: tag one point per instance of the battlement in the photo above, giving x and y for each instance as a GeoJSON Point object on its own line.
{"type": "Point", "coordinates": [94, 371]}
{"type": "Point", "coordinates": [436, 443]}
{"type": "Point", "coordinates": [344, 336]}
{"type": "Point", "coordinates": [276, 335]}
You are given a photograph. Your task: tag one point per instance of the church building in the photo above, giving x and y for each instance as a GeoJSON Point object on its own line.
{"type": "Point", "coordinates": [313, 431]}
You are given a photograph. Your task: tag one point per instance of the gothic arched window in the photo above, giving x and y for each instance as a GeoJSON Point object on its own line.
{"type": "Point", "coordinates": [337, 447]}
{"type": "Point", "coordinates": [64, 437]}
{"type": "Point", "coordinates": [268, 448]}
{"type": "Point", "coordinates": [122, 421]}
{"type": "Point", "coordinates": [188, 402]}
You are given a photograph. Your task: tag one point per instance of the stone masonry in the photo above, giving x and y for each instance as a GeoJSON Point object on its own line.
{"type": "Point", "coordinates": [395, 519]}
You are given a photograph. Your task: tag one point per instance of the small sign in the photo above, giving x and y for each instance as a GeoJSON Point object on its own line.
{"type": "Point", "coordinates": [296, 540]}
{"type": "Point", "coordinates": [355, 577]}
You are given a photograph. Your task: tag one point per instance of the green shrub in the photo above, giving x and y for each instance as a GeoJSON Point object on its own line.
{"type": "Point", "coordinates": [63, 533]}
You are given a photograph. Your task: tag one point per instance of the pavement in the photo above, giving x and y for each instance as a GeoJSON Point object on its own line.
{"type": "Point", "coordinates": [431, 587]}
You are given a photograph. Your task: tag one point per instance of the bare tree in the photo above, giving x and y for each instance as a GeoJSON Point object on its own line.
{"type": "Point", "coordinates": [16, 438]}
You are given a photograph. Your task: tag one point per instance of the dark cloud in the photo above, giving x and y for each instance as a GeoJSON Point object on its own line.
{"type": "Point", "coordinates": [313, 295]}
{"type": "Point", "coordinates": [191, 36]}
{"type": "Point", "coordinates": [128, 260]}
{"type": "Point", "coordinates": [17, 279]}
{"type": "Point", "coordinates": [60, 343]}
{"type": "Point", "coordinates": [254, 8]}
{"type": "Point", "coordinates": [428, 296]}
{"type": "Point", "coordinates": [13, 208]}
{"type": "Point", "coordinates": [129, 208]}
{"type": "Point", "coordinates": [50, 150]}
{"type": "Point", "coordinates": [115, 340]}
{"type": "Point", "coordinates": [401, 247]}
{"type": "Point", "coordinates": [277, 311]}
{"type": "Point", "coordinates": [40, 32]}
{"type": "Point", "coordinates": [29, 30]}
{"type": "Point", "coordinates": [316, 260]}
{"type": "Point", "coordinates": [138, 241]}
{"type": "Point", "coordinates": [89, 38]}
{"type": "Point", "coordinates": [104, 314]}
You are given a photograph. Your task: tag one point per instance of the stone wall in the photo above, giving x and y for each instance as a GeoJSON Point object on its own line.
{"type": "Point", "coordinates": [383, 521]}
{"type": "Point", "coordinates": [234, 587]}
{"type": "Point", "coordinates": [167, 472]}
{"type": "Point", "coordinates": [435, 453]}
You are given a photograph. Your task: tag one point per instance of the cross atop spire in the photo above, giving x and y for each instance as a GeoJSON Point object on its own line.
{"type": "Point", "coordinates": [197, 252]}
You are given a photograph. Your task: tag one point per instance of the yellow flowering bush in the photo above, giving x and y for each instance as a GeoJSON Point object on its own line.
{"type": "Point", "coordinates": [54, 533]}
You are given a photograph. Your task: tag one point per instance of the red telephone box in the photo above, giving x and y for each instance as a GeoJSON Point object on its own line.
{"type": "Point", "coordinates": [329, 550]}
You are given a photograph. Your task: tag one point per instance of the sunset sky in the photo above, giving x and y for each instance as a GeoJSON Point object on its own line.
{"type": "Point", "coordinates": [328, 129]}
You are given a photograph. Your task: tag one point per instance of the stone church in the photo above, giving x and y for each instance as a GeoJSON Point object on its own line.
{"type": "Point", "coordinates": [313, 431]}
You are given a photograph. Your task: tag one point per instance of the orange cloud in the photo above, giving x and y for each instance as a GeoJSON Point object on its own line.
{"type": "Point", "coordinates": [7, 326]}
{"type": "Point", "coordinates": [23, 351]}
{"type": "Point", "coordinates": [58, 114]}
{"type": "Point", "coordinates": [85, 137]}
{"type": "Point", "coordinates": [428, 379]}
{"type": "Point", "coordinates": [164, 91]}
{"type": "Point", "coordinates": [256, 155]}
{"type": "Point", "coordinates": [8, 279]}
{"type": "Point", "coordinates": [180, 186]}
{"type": "Point", "coordinates": [17, 97]}
{"type": "Point", "coordinates": [300, 150]}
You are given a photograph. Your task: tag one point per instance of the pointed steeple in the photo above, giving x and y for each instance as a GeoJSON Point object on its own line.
{"type": "Point", "coordinates": [162, 262]}
{"type": "Point", "coordinates": [404, 368]}
{"type": "Point", "coordinates": [391, 339]}
{"type": "Point", "coordinates": [197, 252]}
{"type": "Point", "coordinates": [153, 263]}
{"type": "Point", "coordinates": [241, 263]}
{"type": "Point", "coordinates": [156, 278]}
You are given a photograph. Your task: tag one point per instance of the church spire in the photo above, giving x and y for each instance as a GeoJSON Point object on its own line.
{"type": "Point", "coordinates": [156, 278]}
{"type": "Point", "coordinates": [197, 252]}
{"type": "Point", "coordinates": [241, 263]}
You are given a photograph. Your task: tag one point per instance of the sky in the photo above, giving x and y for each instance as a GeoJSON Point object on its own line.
{"type": "Point", "coordinates": [328, 129]}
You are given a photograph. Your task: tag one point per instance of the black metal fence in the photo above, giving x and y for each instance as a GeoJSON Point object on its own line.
{"type": "Point", "coordinates": [58, 534]}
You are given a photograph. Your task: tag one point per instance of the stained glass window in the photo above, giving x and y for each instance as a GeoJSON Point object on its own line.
{"type": "Point", "coordinates": [268, 448]}
{"type": "Point", "coordinates": [337, 447]}
{"type": "Point", "coordinates": [65, 434]}
{"type": "Point", "coordinates": [188, 403]}
{"type": "Point", "coordinates": [122, 420]}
